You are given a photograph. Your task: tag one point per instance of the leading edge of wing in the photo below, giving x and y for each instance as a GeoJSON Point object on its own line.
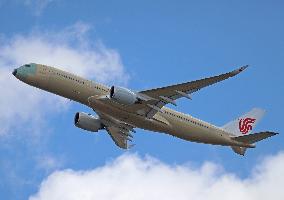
{"type": "Point", "coordinates": [214, 79]}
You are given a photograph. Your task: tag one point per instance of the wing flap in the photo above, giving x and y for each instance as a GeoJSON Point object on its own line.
{"type": "Point", "coordinates": [119, 137]}
{"type": "Point", "coordinates": [119, 131]}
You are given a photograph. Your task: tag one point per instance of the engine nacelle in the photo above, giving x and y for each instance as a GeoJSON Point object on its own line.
{"type": "Point", "coordinates": [87, 122]}
{"type": "Point", "coordinates": [123, 95]}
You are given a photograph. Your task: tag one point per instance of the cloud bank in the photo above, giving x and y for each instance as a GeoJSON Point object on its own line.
{"type": "Point", "coordinates": [69, 49]}
{"type": "Point", "coordinates": [133, 177]}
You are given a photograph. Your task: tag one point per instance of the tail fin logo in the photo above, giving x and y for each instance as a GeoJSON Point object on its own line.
{"type": "Point", "coordinates": [245, 125]}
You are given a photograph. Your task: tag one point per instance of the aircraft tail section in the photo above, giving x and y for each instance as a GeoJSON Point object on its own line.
{"type": "Point", "coordinates": [250, 139]}
{"type": "Point", "coordinates": [241, 128]}
{"type": "Point", "coordinates": [244, 124]}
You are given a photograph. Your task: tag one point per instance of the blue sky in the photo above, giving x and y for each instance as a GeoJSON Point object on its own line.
{"type": "Point", "coordinates": [141, 45]}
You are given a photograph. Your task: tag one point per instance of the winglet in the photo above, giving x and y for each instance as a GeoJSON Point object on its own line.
{"type": "Point", "coordinates": [237, 71]}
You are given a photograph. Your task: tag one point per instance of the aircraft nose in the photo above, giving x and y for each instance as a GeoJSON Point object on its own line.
{"type": "Point", "coordinates": [14, 72]}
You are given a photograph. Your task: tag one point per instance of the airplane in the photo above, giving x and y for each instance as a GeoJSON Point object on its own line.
{"type": "Point", "coordinates": [120, 110]}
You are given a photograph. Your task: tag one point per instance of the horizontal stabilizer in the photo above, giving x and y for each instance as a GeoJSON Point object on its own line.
{"type": "Point", "coordinates": [250, 139]}
{"type": "Point", "coordinates": [253, 138]}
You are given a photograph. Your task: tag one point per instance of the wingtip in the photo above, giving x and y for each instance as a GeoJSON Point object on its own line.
{"type": "Point", "coordinates": [243, 68]}
{"type": "Point", "coordinates": [273, 133]}
{"type": "Point", "coordinates": [237, 71]}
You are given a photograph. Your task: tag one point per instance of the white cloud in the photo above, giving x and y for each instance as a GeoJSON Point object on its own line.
{"type": "Point", "coordinates": [132, 177]}
{"type": "Point", "coordinates": [18, 103]}
{"type": "Point", "coordinates": [69, 49]}
{"type": "Point", "coordinates": [49, 162]}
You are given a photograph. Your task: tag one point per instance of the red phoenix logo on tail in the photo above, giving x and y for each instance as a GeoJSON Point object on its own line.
{"type": "Point", "coordinates": [245, 125]}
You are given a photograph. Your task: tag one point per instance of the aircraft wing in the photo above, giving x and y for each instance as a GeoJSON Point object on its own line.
{"type": "Point", "coordinates": [118, 131]}
{"type": "Point", "coordinates": [119, 137]}
{"type": "Point", "coordinates": [164, 95]}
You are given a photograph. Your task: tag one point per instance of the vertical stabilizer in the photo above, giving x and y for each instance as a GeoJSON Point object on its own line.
{"type": "Point", "coordinates": [244, 124]}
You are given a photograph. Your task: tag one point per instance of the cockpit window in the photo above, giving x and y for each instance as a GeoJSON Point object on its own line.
{"type": "Point", "coordinates": [27, 65]}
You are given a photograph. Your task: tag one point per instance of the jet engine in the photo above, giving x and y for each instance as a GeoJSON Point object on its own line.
{"type": "Point", "coordinates": [123, 95]}
{"type": "Point", "coordinates": [87, 122]}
